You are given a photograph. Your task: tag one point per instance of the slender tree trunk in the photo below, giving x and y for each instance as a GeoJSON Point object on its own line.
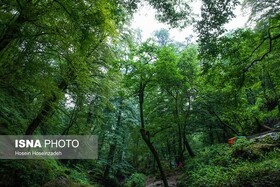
{"type": "Point", "coordinates": [169, 153]}
{"type": "Point", "coordinates": [73, 117]}
{"type": "Point", "coordinates": [174, 149]}
{"type": "Point", "coordinates": [113, 145]}
{"type": "Point", "coordinates": [182, 141]}
{"type": "Point", "coordinates": [122, 152]}
{"type": "Point", "coordinates": [155, 154]}
{"type": "Point", "coordinates": [45, 112]}
{"type": "Point", "coordinates": [135, 156]}
{"type": "Point", "coordinates": [145, 134]}
{"type": "Point", "coordinates": [141, 104]}
{"type": "Point", "coordinates": [101, 138]}
{"type": "Point", "coordinates": [226, 125]}
{"type": "Point", "coordinates": [147, 163]}
{"type": "Point", "coordinates": [110, 159]}
{"type": "Point", "coordinates": [188, 147]}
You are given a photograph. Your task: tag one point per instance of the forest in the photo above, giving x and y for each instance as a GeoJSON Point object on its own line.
{"type": "Point", "coordinates": [166, 113]}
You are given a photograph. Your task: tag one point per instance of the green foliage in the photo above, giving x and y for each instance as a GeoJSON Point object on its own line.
{"type": "Point", "coordinates": [261, 9]}
{"type": "Point", "coordinates": [209, 176]}
{"type": "Point", "coordinates": [80, 175]}
{"type": "Point", "coordinates": [175, 13]}
{"type": "Point", "coordinates": [21, 172]}
{"type": "Point", "coordinates": [72, 67]}
{"type": "Point", "coordinates": [220, 165]}
{"type": "Point", "coordinates": [214, 15]}
{"type": "Point", "coordinates": [136, 180]}
{"type": "Point", "coordinates": [254, 150]}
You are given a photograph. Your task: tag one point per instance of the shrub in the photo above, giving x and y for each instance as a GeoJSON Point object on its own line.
{"type": "Point", "coordinates": [221, 165]}
{"type": "Point", "coordinates": [136, 180]}
{"type": "Point", "coordinates": [79, 175]}
{"type": "Point", "coordinates": [209, 176]}
{"type": "Point", "coordinates": [28, 172]}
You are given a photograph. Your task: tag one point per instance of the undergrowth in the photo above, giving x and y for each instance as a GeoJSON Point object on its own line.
{"type": "Point", "coordinates": [243, 164]}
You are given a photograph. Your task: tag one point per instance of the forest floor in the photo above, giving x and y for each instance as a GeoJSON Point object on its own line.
{"type": "Point", "coordinates": [171, 178]}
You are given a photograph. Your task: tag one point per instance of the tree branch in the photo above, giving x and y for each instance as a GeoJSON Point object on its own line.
{"type": "Point", "coordinates": [222, 122]}
{"type": "Point", "coordinates": [246, 69]}
{"type": "Point", "coordinates": [63, 7]}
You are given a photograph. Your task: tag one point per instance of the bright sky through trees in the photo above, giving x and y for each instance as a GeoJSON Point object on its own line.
{"type": "Point", "coordinates": [145, 20]}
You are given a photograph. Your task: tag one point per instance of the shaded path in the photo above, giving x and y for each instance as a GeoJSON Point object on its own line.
{"type": "Point", "coordinates": [171, 179]}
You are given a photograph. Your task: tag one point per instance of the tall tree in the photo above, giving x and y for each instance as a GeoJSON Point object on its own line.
{"type": "Point", "coordinates": [142, 75]}
{"type": "Point", "coordinates": [53, 48]}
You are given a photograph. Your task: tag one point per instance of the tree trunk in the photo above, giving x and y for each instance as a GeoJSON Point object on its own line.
{"type": "Point", "coordinates": [169, 153]}
{"type": "Point", "coordinates": [155, 154]}
{"type": "Point", "coordinates": [146, 136]}
{"type": "Point", "coordinates": [223, 123]}
{"type": "Point", "coordinates": [110, 159]}
{"type": "Point", "coordinates": [188, 147]}
{"type": "Point", "coordinates": [174, 150]}
{"type": "Point", "coordinates": [113, 145]}
{"type": "Point", "coordinates": [211, 134]}
{"type": "Point", "coordinates": [41, 117]}
{"type": "Point", "coordinates": [73, 117]}
{"type": "Point", "coordinates": [45, 112]}
{"type": "Point", "coordinates": [177, 120]}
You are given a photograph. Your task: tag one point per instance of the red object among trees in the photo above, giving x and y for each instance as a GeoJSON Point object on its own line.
{"type": "Point", "coordinates": [232, 140]}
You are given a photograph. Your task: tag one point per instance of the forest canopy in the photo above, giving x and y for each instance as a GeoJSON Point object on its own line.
{"type": "Point", "coordinates": [160, 108]}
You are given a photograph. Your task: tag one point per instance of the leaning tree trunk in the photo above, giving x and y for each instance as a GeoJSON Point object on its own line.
{"type": "Point", "coordinates": [145, 134]}
{"type": "Point", "coordinates": [223, 123]}
{"type": "Point", "coordinates": [186, 143]}
{"type": "Point", "coordinates": [188, 147]}
{"type": "Point", "coordinates": [146, 138]}
{"type": "Point", "coordinates": [45, 112]}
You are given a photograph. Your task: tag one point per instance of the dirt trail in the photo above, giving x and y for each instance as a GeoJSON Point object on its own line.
{"type": "Point", "coordinates": [171, 179]}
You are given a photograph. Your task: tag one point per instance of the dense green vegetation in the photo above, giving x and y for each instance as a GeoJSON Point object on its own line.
{"type": "Point", "coordinates": [75, 68]}
{"type": "Point", "coordinates": [243, 164]}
